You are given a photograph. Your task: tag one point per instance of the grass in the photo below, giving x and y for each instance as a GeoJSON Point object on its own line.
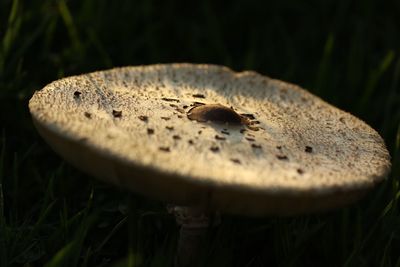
{"type": "Point", "coordinates": [347, 52]}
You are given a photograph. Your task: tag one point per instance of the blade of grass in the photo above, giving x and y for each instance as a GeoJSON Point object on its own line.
{"type": "Point", "coordinates": [279, 23]}
{"type": "Point", "coordinates": [385, 257]}
{"type": "Point", "coordinates": [250, 57]}
{"type": "Point", "coordinates": [3, 231]}
{"type": "Point", "coordinates": [132, 226]}
{"type": "Point", "coordinates": [82, 231]}
{"type": "Point", "coordinates": [216, 35]}
{"type": "Point", "coordinates": [397, 143]}
{"type": "Point", "coordinates": [70, 25]}
{"type": "Point", "coordinates": [62, 256]}
{"type": "Point", "coordinates": [26, 154]}
{"type": "Point", "coordinates": [3, 225]}
{"type": "Point", "coordinates": [15, 62]}
{"type": "Point", "coordinates": [13, 27]}
{"type": "Point", "coordinates": [15, 189]}
{"type": "Point", "coordinates": [69, 254]}
{"type": "Point", "coordinates": [356, 59]}
{"type": "Point", "coordinates": [387, 121]}
{"type": "Point", "coordinates": [344, 225]}
{"type": "Point", "coordinates": [397, 262]}
{"type": "Point", "coordinates": [26, 249]}
{"type": "Point", "coordinates": [373, 229]}
{"type": "Point", "coordinates": [166, 254]}
{"type": "Point", "coordinates": [112, 232]}
{"type": "Point", "coordinates": [42, 217]}
{"type": "Point", "coordinates": [396, 171]}
{"type": "Point", "coordinates": [100, 48]}
{"type": "Point", "coordinates": [323, 70]}
{"type": "Point", "coordinates": [86, 257]}
{"type": "Point", "coordinates": [374, 78]}
{"type": "Point", "coordinates": [2, 156]}
{"type": "Point", "coordinates": [26, 240]}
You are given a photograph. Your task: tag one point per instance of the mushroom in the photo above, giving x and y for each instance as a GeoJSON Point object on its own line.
{"type": "Point", "coordinates": [233, 142]}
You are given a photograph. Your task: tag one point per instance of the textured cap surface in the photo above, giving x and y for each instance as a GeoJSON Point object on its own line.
{"type": "Point", "coordinates": [131, 126]}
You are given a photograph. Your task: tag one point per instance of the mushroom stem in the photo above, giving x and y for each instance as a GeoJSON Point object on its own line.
{"type": "Point", "coordinates": [194, 223]}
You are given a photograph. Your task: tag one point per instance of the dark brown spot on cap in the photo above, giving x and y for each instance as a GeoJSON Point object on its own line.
{"type": "Point", "coordinates": [300, 171]}
{"type": "Point", "coordinates": [164, 148]}
{"type": "Point", "coordinates": [170, 128]}
{"type": "Point", "coordinates": [249, 116]}
{"type": "Point", "coordinates": [176, 137]}
{"type": "Point", "coordinates": [237, 161]}
{"type": "Point", "coordinates": [350, 164]}
{"type": "Point", "coordinates": [253, 128]}
{"type": "Point", "coordinates": [199, 95]}
{"type": "Point", "coordinates": [225, 132]}
{"type": "Point", "coordinates": [143, 118]}
{"type": "Point", "coordinates": [87, 115]}
{"type": "Point", "coordinates": [150, 131]}
{"type": "Point", "coordinates": [200, 131]}
{"type": "Point", "coordinates": [77, 94]}
{"type": "Point", "coordinates": [250, 139]}
{"type": "Point", "coordinates": [170, 99]}
{"type": "Point", "coordinates": [180, 116]}
{"type": "Point", "coordinates": [214, 113]}
{"type": "Point", "coordinates": [214, 149]}
{"type": "Point", "coordinates": [308, 149]}
{"type": "Point", "coordinates": [117, 113]}
{"type": "Point", "coordinates": [256, 146]}
{"type": "Point", "coordinates": [279, 147]}
{"type": "Point", "coordinates": [281, 157]}
{"type": "Point", "coordinates": [190, 141]}
{"type": "Point", "coordinates": [173, 105]}
{"type": "Point", "coordinates": [180, 110]}
{"type": "Point", "coordinates": [165, 118]}
{"type": "Point", "coordinates": [196, 104]}
{"type": "Point", "coordinates": [185, 106]}
{"type": "Point", "coordinates": [219, 137]}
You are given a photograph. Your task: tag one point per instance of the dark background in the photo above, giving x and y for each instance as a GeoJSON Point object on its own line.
{"type": "Point", "coordinates": [346, 52]}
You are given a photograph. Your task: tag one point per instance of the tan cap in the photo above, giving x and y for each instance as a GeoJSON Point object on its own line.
{"type": "Point", "coordinates": [206, 136]}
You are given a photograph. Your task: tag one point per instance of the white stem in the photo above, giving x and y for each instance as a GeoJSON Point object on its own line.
{"type": "Point", "coordinates": [194, 223]}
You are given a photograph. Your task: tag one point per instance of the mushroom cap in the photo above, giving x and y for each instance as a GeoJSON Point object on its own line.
{"type": "Point", "coordinates": [130, 126]}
